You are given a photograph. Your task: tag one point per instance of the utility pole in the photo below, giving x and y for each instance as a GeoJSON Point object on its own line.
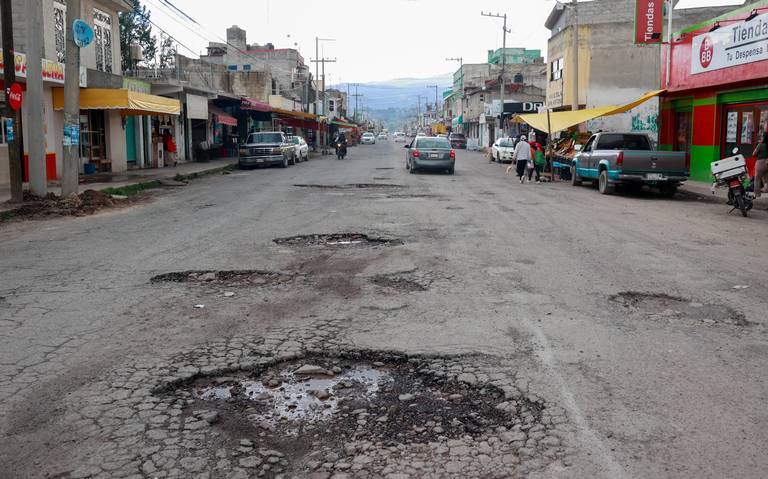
{"type": "Point", "coordinates": [71, 159]}
{"type": "Point", "coordinates": [418, 114]}
{"type": "Point", "coordinates": [575, 54]}
{"type": "Point", "coordinates": [670, 9]}
{"type": "Point", "coordinates": [38, 182]}
{"type": "Point", "coordinates": [323, 61]}
{"type": "Point", "coordinates": [503, 62]}
{"type": "Point", "coordinates": [317, 77]}
{"type": "Point", "coordinates": [436, 94]}
{"type": "Point", "coordinates": [15, 150]}
{"type": "Point", "coordinates": [356, 95]}
{"type": "Point", "coordinates": [460, 112]}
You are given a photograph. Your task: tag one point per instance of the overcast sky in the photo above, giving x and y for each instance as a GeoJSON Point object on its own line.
{"type": "Point", "coordinates": [374, 40]}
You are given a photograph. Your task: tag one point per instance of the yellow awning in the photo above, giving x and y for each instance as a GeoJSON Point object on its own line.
{"type": "Point", "coordinates": [561, 120]}
{"type": "Point", "coordinates": [128, 102]}
{"type": "Point", "coordinates": [295, 114]}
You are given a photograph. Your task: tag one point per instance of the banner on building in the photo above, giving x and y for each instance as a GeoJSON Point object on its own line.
{"type": "Point", "coordinates": [732, 45]}
{"type": "Point", "coordinates": [197, 107]}
{"type": "Point", "coordinates": [649, 21]}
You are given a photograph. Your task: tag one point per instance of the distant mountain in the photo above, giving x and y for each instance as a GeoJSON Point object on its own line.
{"type": "Point", "coordinates": [400, 92]}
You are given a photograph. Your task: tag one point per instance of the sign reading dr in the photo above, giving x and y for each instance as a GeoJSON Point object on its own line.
{"type": "Point", "coordinates": [736, 44]}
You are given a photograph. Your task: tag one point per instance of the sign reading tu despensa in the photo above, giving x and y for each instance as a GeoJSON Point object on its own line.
{"type": "Point", "coordinates": [732, 45]}
{"type": "Point", "coordinates": [649, 20]}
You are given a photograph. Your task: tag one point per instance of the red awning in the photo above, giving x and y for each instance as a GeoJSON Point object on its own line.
{"type": "Point", "coordinates": [255, 105]}
{"type": "Point", "coordinates": [226, 120]}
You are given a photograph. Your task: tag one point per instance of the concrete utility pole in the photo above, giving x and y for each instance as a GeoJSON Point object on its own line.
{"type": "Point", "coordinates": [503, 62]}
{"type": "Point", "coordinates": [356, 95]}
{"type": "Point", "coordinates": [71, 160]}
{"type": "Point", "coordinates": [38, 182]}
{"type": "Point", "coordinates": [15, 149]}
{"type": "Point", "coordinates": [575, 53]}
{"type": "Point", "coordinates": [317, 77]}
{"type": "Point", "coordinates": [670, 8]}
{"type": "Point", "coordinates": [436, 94]}
{"type": "Point", "coordinates": [418, 111]}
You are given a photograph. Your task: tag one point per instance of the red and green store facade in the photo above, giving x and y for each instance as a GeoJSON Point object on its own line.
{"type": "Point", "coordinates": [717, 99]}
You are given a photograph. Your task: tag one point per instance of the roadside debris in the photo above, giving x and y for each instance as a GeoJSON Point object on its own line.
{"type": "Point", "coordinates": [86, 203]}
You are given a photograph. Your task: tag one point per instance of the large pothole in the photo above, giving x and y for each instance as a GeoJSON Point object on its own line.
{"type": "Point", "coordinates": [322, 401]}
{"type": "Point", "coordinates": [337, 240]}
{"type": "Point", "coordinates": [664, 307]}
{"type": "Point", "coordinates": [349, 186]}
{"type": "Point", "coordinates": [226, 277]}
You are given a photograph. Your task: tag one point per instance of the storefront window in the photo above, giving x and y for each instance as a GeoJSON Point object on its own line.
{"type": "Point", "coordinates": [743, 127]}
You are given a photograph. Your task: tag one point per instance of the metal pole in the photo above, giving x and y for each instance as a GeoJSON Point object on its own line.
{"type": "Point", "coordinates": [549, 145]}
{"type": "Point", "coordinates": [15, 149]}
{"type": "Point", "coordinates": [670, 8]}
{"type": "Point", "coordinates": [38, 182]}
{"type": "Point", "coordinates": [317, 91]}
{"type": "Point", "coordinates": [575, 53]}
{"type": "Point", "coordinates": [503, 71]}
{"type": "Point", "coordinates": [71, 158]}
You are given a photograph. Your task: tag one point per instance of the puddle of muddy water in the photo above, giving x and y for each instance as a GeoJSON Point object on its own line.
{"type": "Point", "coordinates": [299, 399]}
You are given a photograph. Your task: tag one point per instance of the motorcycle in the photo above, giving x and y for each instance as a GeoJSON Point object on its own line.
{"type": "Point", "coordinates": [341, 151]}
{"type": "Point", "coordinates": [732, 172]}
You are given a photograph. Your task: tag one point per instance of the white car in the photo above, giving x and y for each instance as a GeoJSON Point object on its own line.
{"type": "Point", "coordinates": [502, 150]}
{"type": "Point", "coordinates": [399, 136]}
{"type": "Point", "coordinates": [368, 138]}
{"type": "Point", "coordinates": [383, 136]}
{"type": "Point", "coordinates": [302, 149]}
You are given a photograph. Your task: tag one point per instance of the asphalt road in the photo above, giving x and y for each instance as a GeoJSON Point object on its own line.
{"type": "Point", "coordinates": [618, 310]}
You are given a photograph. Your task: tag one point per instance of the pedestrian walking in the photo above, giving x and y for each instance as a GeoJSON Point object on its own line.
{"type": "Point", "coordinates": [170, 146]}
{"type": "Point", "coordinates": [761, 167]}
{"type": "Point", "coordinates": [538, 162]}
{"type": "Point", "coordinates": [521, 157]}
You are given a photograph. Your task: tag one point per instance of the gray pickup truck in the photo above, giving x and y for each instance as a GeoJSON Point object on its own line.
{"type": "Point", "coordinates": [628, 159]}
{"type": "Point", "coordinates": [266, 148]}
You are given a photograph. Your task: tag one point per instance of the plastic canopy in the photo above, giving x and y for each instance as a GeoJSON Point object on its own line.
{"type": "Point", "coordinates": [561, 120]}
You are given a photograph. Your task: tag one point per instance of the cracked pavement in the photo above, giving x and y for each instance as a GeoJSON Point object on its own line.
{"type": "Point", "coordinates": [496, 286]}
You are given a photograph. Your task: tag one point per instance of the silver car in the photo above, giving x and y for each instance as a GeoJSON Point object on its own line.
{"type": "Point", "coordinates": [430, 153]}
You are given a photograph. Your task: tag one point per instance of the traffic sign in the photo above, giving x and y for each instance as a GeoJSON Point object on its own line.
{"type": "Point", "coordinates": [15, 96]}
{"type": "Point", "coordinates": [83, 33]}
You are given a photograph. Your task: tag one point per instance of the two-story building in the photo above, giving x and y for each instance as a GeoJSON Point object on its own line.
{"type": "Point", "coordinates": [107, 106]}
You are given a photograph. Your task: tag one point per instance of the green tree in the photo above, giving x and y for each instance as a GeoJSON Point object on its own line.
{"type": "Point", "coordinates": [167, 52]}
{"type": "Point", "coordinates": [135, 28]}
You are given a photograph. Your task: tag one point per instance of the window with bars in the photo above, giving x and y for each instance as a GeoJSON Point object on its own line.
{"type": "Point", "coordinates": [60, 29]}
{"type": "Point", "coordinates": [102, 28]}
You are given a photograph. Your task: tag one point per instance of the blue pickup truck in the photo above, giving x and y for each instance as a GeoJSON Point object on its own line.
{"type": "Point", "coordinates": [612, 159]}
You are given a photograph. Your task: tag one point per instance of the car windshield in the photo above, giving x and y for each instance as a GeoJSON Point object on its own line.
{"type": "Point", "coordinates": [437, 143]}
{"type": "Point", "coordinates": [457, 136]}
{"type": "Point", "coordinates": [265, 138]}
{"type": "Point", "coordinates": [506, 143]}
{"type": "Point", "coordinates": [623, 142]}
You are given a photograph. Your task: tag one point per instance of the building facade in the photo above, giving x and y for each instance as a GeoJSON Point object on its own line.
{"type": "Point", "coordinates": [717, 92]}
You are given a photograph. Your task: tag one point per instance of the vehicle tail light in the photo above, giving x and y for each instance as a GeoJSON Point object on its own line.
{"type": "Point", "coordinates": [620, 159]}
{"type": "Point", "coordinates": [415, 153]}
{"type": "Point", "coordinates": [453, 154]}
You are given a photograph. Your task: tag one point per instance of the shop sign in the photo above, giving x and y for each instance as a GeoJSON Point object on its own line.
{"type": "Point", "coordinates": [82, 32]}
{"type": "Point", "coordinates": [733, 45]}
{"type": "Point", "coordinates": [52, 71]}
{"type": "Point", "coordinates": [197, 107]}
{"type": "Point", "coordinates": [15, 97]}
{"type": "Point", "coordinates": [523, 107]}
{"type": "Point", "coordinates": [731, 128]}
{"type": "Point", "coordinates": [649, 19]}
{"type": "Point", "coordinates": [555, 94]}
{"type": "Point", "coordinates": [131, 84]}
{"type": "Point", "coordinates": [71, 134]}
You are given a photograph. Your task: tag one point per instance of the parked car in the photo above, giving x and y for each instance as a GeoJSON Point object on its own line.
{"type": "Point", "coordinates": [502, 150]}
{"type": "Point", "coordinates": [383, 136]}
{"type": "Point", "coordinates": [301, 147]}
{"type": "Point", "coordinates": [266, 148]}
{"type": "Point", "coordinates": [628, 159]}
{"type": "Point", "coordinates": [368, 138]}
{"type": "Point", "coordinates": [430, 153]}
{"type": "Point", "coordinates": [458, 140]}
{"type": "Point", "coordinates": [398, 136]}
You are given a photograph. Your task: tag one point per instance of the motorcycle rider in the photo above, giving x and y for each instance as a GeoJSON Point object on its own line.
{"type": "Point", "coordinates": [341, 139]}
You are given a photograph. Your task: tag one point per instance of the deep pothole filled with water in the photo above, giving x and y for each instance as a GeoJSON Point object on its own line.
{"type": "Point", "coordinates": [322, 400]}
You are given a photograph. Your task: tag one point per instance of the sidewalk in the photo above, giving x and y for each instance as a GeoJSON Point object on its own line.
{"type": "Point", "coordinates": [101, 181]}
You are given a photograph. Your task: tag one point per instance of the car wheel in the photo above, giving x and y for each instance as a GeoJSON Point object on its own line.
{"type": "Point", "coordinates": [451, 171]}
{"type": "Point", "coordinates": [603, 185]}
{"type": "Point", "coordinates": [575, 179]}
{"type": "Point", "coordinates": [284, 164]}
